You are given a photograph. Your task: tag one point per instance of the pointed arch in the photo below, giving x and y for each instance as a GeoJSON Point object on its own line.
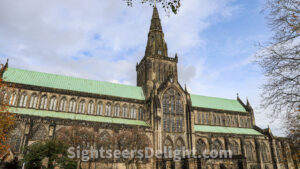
{"type": "Point", "coordinates": [15, 139]}
{"type": "Point", "coordinates": [81, 108]}
{"type": "Point", "coordinates": [249, 151]}
{"type": "Point", "coordinates": [91, 107]}
{"type": "Point", "coordinates": [168, 147]}
{"type": "Point", "coordinates": [99, 108]}
{"type": "Point", "coordinates": [12, 99]}
{"type": "Point", "coordinates": [33, 101]}
{"type": "Point", "coordinates": [264, 152]}
{"type": "Point", "coordinates": [44, 102]}
{"type": "Point", "coordinates": [234, 147]}
{"type": "Point", "coordinates": [117, 110]}
{"type": "Point", "coordinates": [39, 132]}
{"type": "Point", "coordinates": [53, 103]}
{"type": "Point", "coordinates": [217, 145]}
{"type": "Point", "coordinates": [23, 100]}
{"type": "Point", "coordinates": [201, 146]}
{"type": "Point", "coordinates": [62, 104]}
{"type": "Point", "coordinates": [72, 105]}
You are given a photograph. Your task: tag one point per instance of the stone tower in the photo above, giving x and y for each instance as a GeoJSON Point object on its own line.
{"type": "Point", "coordinates": [156, 66]}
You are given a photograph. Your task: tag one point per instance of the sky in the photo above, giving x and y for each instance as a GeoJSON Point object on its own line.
{"type": "Point", "coordinates": [103, 40]}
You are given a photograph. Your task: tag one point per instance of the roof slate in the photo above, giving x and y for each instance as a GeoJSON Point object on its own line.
{"type": "Point", "coordinates": [72, 116]}
{"type": "Point", "coordinates": [226, 130]}
{"type": "Point", "coordinates": [217, 103]}
{"type": "Point", "coordinates": [40, 79]}
{"type": "Point", "coordinates": [71, 83]}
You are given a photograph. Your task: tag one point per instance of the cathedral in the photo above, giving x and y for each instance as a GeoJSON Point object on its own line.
{"type": "Point", "coordinates": [165, 111]}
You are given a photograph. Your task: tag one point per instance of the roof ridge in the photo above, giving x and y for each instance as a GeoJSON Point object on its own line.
{"type": "Point", "coordinates": [73, 77]}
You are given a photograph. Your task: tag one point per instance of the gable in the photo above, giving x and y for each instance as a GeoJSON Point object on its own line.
{"type": "Point", "coordinates": [216, 103]}
{"type": "Point", "coordinates": [33, 78]}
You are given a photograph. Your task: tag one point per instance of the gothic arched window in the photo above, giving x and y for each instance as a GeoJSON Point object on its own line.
{"type": "Point", "coordinates": [132, 112]}
{"type": "Point", "coordinates": [107, 109]}
{"type": "Point", "coordinates": [33, 101]}
{"type": "Point", "coordinates": [91, 107]}
{"type": "Point", "coordinates": [117, 110]}
{"type": "Point", "coordinates": [216, 145]}
{"type": "Point", "coordinates": [124, 111]}
{"type": "Point", "coordinates": [201, 146]}
{"type": "Point", "coordinates": [99, 108]}
{"type": "Point", "coordinates": [168, 148]}
{"type": "Point", "coordinates": [52, 103]}
{"type": "Point", "coordinates": [249, 151]}
{"type": "Point", "coordinates": [264, 152]}
{"type": "Point", "coordinates": [234, 147]}
{"type": "Point", "coordinates": [72, 106]}
{"type": "Point", "coordinates": [81, 108]}
{"type": "Point", "coordinates": [62, 106]}
{"type": "Point", "coordinates": [23, 100]}
{"type": "Point", "coordinates": [172, 111]}
{"type": "Point", "coordinates": [12, 99]}
{"type": "Point", "coordinates": [44, 101]}
{"type": "Point", "coordinates": [141, 113]}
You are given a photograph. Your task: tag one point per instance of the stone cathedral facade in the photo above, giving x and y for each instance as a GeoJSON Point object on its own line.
{"type": "Point", "coordinates": [169, 115]}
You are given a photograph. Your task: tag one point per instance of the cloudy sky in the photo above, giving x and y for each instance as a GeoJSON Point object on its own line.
{"type": "Point", "coordinates": [103, 40]}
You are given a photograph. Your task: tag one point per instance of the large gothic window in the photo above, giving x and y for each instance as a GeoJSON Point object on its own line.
{"type": "Point", "coordinates": [33, 101]}
{"type": "Point", "coordinates": [264, 152]}
{"type": "Point", "coordinates": [200, 146]}
{"type": "Point", "coordinates": [249, 151]}
{"type": "Point", "coordinates": [216, 145]}
{"type": "Point", "coordinates": [23, 100]}
{"type": "Point", "coordinates": [173, 111]}
{"type": "Point", "coordinates": [234, 147]}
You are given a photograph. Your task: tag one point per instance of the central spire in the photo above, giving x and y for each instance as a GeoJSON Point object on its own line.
{"type": "Point", "coordinates": [156, 45]}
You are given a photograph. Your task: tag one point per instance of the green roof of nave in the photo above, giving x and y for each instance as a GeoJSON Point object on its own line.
{"type": "Point", "coordinates": [217, 103]}
{"type": "Point", "coordinates": [33, 78]}
{"type": "Point", "coordinates": [225, 130]}
{"type": "Point", "coordinates": [55, 81]}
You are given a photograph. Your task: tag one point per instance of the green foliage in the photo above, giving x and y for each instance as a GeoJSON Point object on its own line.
{"type": "Point", "coordinates": [53, 152]}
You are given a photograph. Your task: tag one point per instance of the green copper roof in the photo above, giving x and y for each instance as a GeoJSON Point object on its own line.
{"type": "Point", "coordinates": [72, 116]}
{"type": "Point", "coordinates": [216, 103]}
{"type": "Point", "coordinates": [71, 83]}
{"type": "Point", "coordinates": [225, 130]}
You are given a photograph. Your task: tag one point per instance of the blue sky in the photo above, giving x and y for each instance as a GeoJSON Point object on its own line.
{"type": "Point", "coordinates": [102, 40]}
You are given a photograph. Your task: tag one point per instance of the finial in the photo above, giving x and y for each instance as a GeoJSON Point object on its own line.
{"type": "Point", "coordinates": [237, 95]}
{"type": "Point", "coordinates": [185, 87]}
{"type": "Point", "coordinates": [6, 64]}
{"type": "Point", "coordinates": [155, 3]}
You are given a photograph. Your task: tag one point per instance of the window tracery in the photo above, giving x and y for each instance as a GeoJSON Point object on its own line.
{"type": "Point", "coordinates": [33, 101]}
{"type": "Point", "coordinates": [63, 103]}
{"type": "Point", "coordinates": [44, 101]}
{"type": "Point", "coordinates": [172, 111]}
{"type": "Point", "coordinates": [23, 100]}
{"type": "Point", "coordinates": [200, 146]}
{"type": "Point", "coordinates": [117, 110]}
{"type": "Point", "coordinates": [52, 103]}
{"type": "Point", "coordinates": [12, 99]}
{"type": "Point", "coordinates": [108, 109]}
{"type": "Point", "coordinates": [91, 107]}
{"type": "Point", "coordinates": [99, 108]}
{"type": "Point", "coordinates": [249, 151]}
{"type": "Point", "coordinates": [72, 106]}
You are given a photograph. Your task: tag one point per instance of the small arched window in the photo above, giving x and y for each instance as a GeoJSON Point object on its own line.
{"type": "Point", "coordinates": [53, 103]}
{"type": "Point", "coordinates": [141, 113]}
{"type": "Point", "coordinates": [81, 108]}
{"type": "Point", "coordinates": [72, 106]}
{"type": "Point", "coordinates": [12, 100]}
{"type": "Point", "coordinates": [124, 111]}
{"type": "Point", "coordinates": [117, 110]}
{"type": "Point", "coordinates": [99, 108]}
{"type": "Point", "coordinates": [44, 101]}
{"type": "Point", "coordinates": [62, 106]}
{"type": "Point", "coordinates": [33, 101]}
{"type": "Point", "coordinates": [23, 100]}
{"type": "Point", "coordinates": [168, 146]}
{"type": "Point", "coordinates": [132, 112]}
{"type": "Point", "coordinates": [91, 107]}
{"type": "Point", "coordinates": [108, 109]}
{"type": "Point", "coordinates": [4, 94]}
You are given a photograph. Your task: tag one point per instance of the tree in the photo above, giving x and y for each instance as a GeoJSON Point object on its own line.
{"type": "Point", "coordinates": [280, 61]}
{"type": "Point", "coordinates": [50, 154]}
{"type": "Point", "coordinates": [76, 137]}
{"type": "Point", "coordinates": [7, 119]}
{"type": "Point", "coordinates": [168, 5]}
